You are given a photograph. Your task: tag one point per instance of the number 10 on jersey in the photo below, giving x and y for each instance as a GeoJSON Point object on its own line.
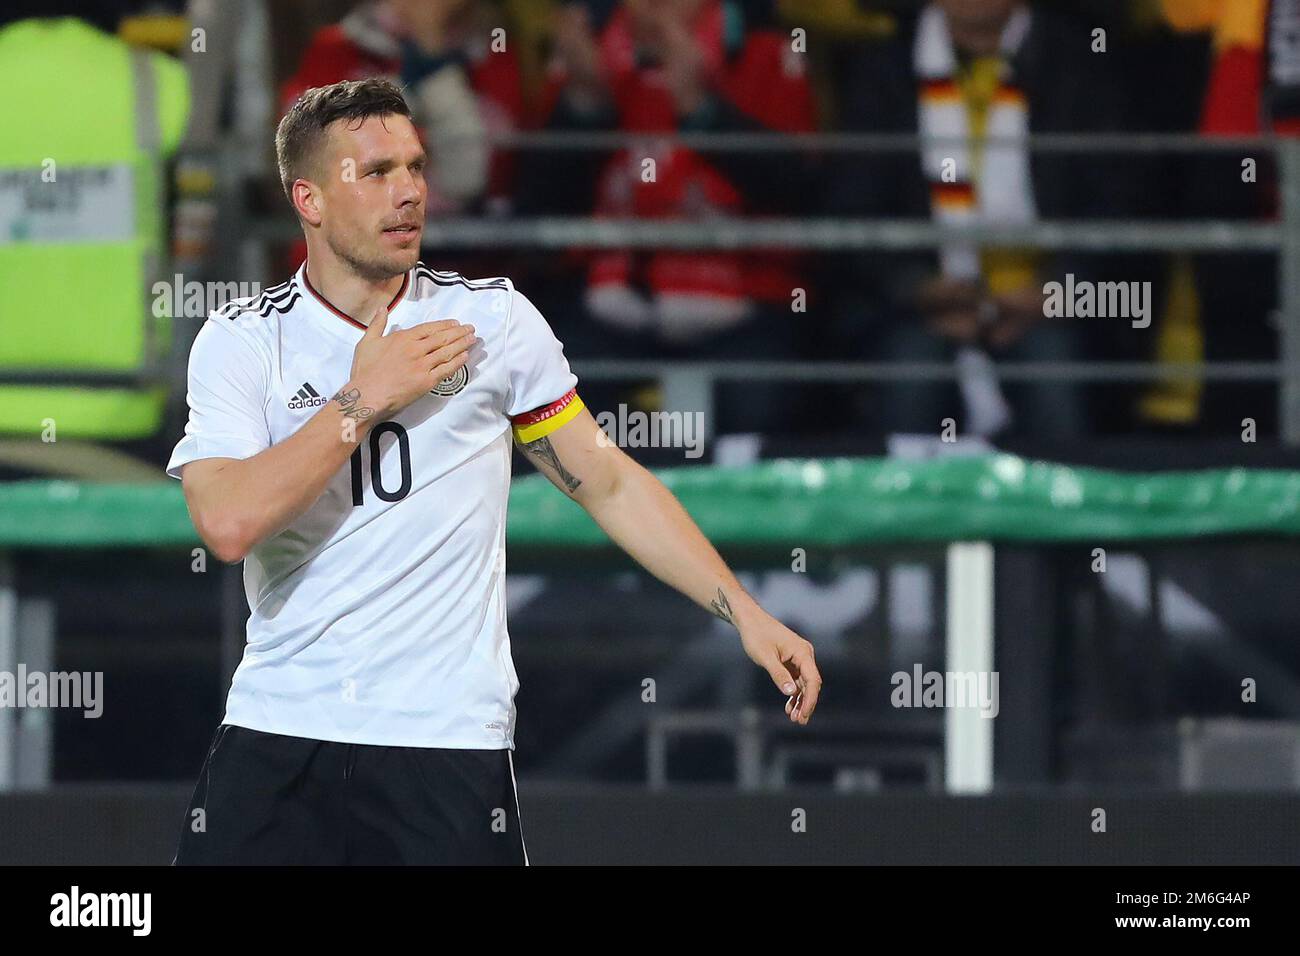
{"type": "Point", "coordinates": [376, 470]}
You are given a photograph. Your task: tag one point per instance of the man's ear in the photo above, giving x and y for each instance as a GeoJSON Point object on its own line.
{"type": "Point", "coordinates": [306, 201]}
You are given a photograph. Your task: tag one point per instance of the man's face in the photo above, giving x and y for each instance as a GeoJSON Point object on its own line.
{"type": "Point", "coordinates": [651, 18]}
{"type": "Point", "coordinates": [978, 14]}
{"type": "Point", "coordinates": [370, 194]}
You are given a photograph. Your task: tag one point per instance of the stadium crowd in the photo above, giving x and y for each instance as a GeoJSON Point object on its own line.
{"type": "Point", "coordinates": [987, 75]}
{"type": "Point", "coordinates": [975, 68]}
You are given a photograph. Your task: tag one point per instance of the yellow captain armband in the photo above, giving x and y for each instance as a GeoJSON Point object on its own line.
{"type": "Point", "coordinates": [540, 422]}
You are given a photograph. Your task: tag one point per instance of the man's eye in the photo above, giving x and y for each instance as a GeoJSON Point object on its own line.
{"type": "Point", "coordinates": [418, 167]}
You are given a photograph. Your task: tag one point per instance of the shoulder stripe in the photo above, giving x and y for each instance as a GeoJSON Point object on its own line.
{"type": "Point", "coordinates": [280, 298]}
{"type": "Point", "coordinates": [444, 274]}
{"type": "Point", "coordinates": [281, 307]}
{"type": "Point", "coordinates": [455, 278]}
{"type": "Point", "coordinates": [452, 279]}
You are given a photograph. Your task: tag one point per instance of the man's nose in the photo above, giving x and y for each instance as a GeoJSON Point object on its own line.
{"type": "Point", "coordinates": [410, 188]}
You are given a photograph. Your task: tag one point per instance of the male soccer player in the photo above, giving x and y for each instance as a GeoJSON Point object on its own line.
{"type": "Point", "coordinates": [349, 439]}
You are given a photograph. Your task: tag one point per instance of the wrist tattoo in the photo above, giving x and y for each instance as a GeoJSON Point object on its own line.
{"type": "Point", "coordinates": [349, 400]}
{"type": "Point", "coordinates": [544, 451]}
{"type": "Point", "coordinates": [722, 608]}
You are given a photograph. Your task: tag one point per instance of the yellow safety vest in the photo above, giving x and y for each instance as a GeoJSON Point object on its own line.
{"type": "Point", "coordinates": [88, 123]}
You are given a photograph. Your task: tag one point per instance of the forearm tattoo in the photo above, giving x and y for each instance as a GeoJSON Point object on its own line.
{"type": "Point", "coordinates": [350, 401]}
{"type": "Point", "coordinates": [722, 607]}
{"type": "Point", "coordinates": [544, 451]}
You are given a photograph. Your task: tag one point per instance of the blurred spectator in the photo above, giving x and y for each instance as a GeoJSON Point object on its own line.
{"type": "Point", "coordinates": [654, 68]}
{"type": "Point", "coordinates": [972, 69]}
{"type": "Point", "coordinates": [1164, 75]}
{"type": "Point", "coordinates": [461, 89]}
{"type": "Point", "coordinates": [1238, 292]}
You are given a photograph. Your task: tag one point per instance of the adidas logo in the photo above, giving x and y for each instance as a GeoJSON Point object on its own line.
{"type": "Point", "coordinates": [307, 397]}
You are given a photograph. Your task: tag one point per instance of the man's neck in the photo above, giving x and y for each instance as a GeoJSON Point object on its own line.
{"type": "Point", "coordinates": [352, 294]}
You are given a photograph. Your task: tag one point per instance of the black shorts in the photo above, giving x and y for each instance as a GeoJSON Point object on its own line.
{"type": "Point", "coordinates": [269, 799]}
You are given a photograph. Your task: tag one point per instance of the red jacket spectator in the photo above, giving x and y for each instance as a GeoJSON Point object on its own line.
{"type": "Point", "coordinates": [697, 77]}
{"type": "Point", "coordinates": [372, 41]}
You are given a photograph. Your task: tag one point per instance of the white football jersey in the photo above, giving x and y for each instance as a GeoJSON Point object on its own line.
{"type": "Point", "coordinates": [378, 617]}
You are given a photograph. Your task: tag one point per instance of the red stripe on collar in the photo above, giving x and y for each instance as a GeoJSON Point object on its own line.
{"type": "Point", "coordinates": [406, 283]}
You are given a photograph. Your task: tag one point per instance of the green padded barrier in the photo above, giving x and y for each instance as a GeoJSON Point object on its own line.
{"type": "Point", "coordinates": [818, 502]}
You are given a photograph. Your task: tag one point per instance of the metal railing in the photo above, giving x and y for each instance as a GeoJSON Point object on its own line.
{"type": "Point", "coordinates": [690, 385]}
{"type": "Point", "coordinates": [208, 138]}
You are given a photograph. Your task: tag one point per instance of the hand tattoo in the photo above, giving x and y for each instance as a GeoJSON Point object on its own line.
{"type": "Point", "coordinates": [722, 607]}
{"type": "Point", "coordinates": [544, 451]}
{"type": "Point", "coordinates": [350, 402]}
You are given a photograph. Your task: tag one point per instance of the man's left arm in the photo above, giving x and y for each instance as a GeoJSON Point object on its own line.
{"type": "Point", "coordinates": [643, 518]}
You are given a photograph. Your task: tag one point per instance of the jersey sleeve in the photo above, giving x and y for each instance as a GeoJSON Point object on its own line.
{"type": "Point", "coordinates": [543, 391]}
{"type": "Point", "coordinates": [226, 395]}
